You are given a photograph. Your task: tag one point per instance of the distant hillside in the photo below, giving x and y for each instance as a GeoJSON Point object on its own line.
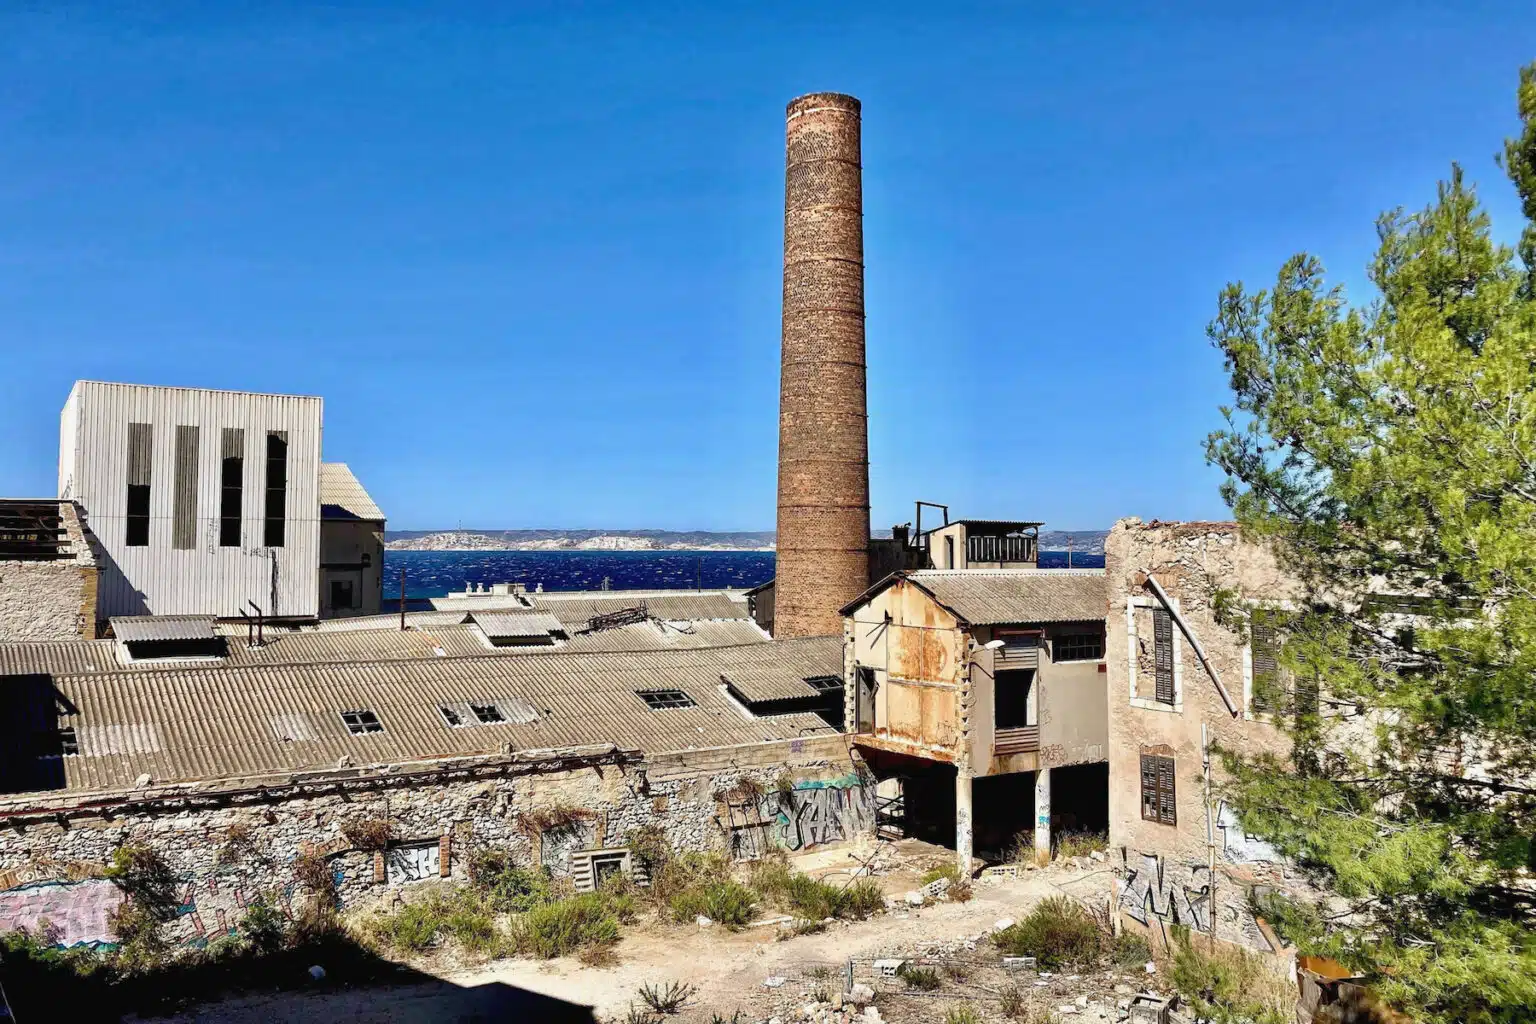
{"type": "Point", "coordinates": [1090, 542]}
{"type": "Point", "coordinates": [576, 540]}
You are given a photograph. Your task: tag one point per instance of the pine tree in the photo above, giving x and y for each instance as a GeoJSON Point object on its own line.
{"type": "Point", "coordinates": [1388, 453]}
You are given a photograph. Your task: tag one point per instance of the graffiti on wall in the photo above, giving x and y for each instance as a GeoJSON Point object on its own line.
{"type": "Point", "coordinates": [812, 813]}
{"type": "Point", "coordinates": [1176, 895]}
{"type": "Point", "coordinates": [61, 913]}
{"type": "Point", "coordinates": [1237, 846]}
{"type": "Point", "coordinates": [404, 864]}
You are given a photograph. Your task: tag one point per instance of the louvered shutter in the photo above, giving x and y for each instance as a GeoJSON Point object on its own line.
{"type": "Point", "coordinates": [1148, 788]}
{"type": "Point", "coordinates": [1306, 695]}
{"type": "Point", "coordinates": [1265, 665]}
{"type": "Point", "coordinates": [1162, 642]}
{"type": "Point", "coordinates": [1167, 812]}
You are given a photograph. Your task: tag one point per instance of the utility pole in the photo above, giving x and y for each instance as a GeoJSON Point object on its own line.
{"type": "Point", "coordinates": [402, 599]}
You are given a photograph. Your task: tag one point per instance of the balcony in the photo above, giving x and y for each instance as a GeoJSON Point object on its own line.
{"type": "Point", "coordinates": [983, 548]}
{"type": "Point", "coordinates": [1023, 740]}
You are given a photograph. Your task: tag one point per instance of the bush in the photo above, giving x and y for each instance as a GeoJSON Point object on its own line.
{"type": "Point", "coordinates": [669, 998]}
{"type": "Point", "coordinates": [864, 898]}
{"type": "Point", "coordinates": [1229, 985]}
{"type": "Point", "coordinates": [263, 927]}
{"type": "Point", "coordinates": [1057, 933]}
{"type": "Point", "coordinates": [924, 979]}
{"type": "Point", "coordinates": [950, 871]}
{"type": "Point", "coordinates": [507, 887]}
{"type": "Point", "coordinates": [809, 898]}
{"type": "Point", "coordinates": [1129, 950]}
{"type": "Point", "coordinates": [649, 846]}
{"type": "Point", "coordinates": [368, 834]}
{"type": "Point", "coordinates": [964, 1013]}
{"type": "Point", "coordinates": [565, 926]}
{"type": "Point", "coordinates": [730, 903]}
{"type": "Point", "coordinates": [1081, 844]}
{"type": "Point", "coordinates": [419, 925]}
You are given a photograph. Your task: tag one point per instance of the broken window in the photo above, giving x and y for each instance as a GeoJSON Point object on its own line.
{"type": "Point", "coordinates": [361, 723]}
{"type": "Point", "coordinates": [1157, 797]}
{"type": "Point", "coordinates": [277, 487]}
{"type": "Point", "coordinates": [452, 717]}
{"type": "Point", "coordinates": [1162, 643]}
{"type": "Point", "coordinates": [61, 743]}
{"type": "Point", "coordinates": [661, 700]}
{"type": "Point", "coordinates": [488, 714]}
{"type": "Point", "coordinates": [231, 485]}
{"type": "Point", "coordinates": [825, 684]}
{"type": "Point", "coordinates": [341, 594]}
{"type": "Point", "coordinates": [1078, 647]}
{"type": "Point", "coordinates": [140, 452]}
{"type": "Point", "coordinates": [1011, 698]}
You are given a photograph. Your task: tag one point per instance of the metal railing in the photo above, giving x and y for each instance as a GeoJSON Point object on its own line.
{"type": "Point", "coordinates": [1000, 549]}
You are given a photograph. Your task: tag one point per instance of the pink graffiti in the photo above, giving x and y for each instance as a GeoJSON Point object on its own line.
{"type": "Point", "coordinates": [74, 912]}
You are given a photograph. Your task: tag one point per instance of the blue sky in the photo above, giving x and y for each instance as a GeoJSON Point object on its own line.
{"type": "Point", "coordinates": [530, 253]}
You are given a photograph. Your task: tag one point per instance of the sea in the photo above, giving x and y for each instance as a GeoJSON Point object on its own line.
{"type": "Point", "coordinates": [431, 574]}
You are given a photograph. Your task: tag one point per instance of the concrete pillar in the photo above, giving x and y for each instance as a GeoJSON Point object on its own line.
{"type": "Point", "coordinates": [963, 831]}
{"type": "Point", "coordinates": [1043, 817]}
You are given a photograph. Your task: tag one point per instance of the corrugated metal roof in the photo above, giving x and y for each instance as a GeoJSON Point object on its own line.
{"type": "Point", "coordinates": [478, 602]}
{"type": "Point", "coordinates": [991, 597]}
{"type": "Point", "coordinates": [577, 609]}
{"type": "Point", "coordinates": [342, 497]}
{"type": "Point", "coordinates": [194, 724]}
{"type": "Point", "coordinates": [756, 685]}
{"type": "Point", "coordinates": [515, 622]}
{"type": "Point", "coordinates": [137, 628]}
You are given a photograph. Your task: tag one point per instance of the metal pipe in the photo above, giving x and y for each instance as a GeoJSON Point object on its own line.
{"type": "Point", "coordinates": [1194, 641]}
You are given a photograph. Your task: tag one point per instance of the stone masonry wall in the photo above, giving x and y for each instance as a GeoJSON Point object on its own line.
{"type": "Point", "coordinates": [228, 854]}
{"type": "Point", "coordinates": [51, 599]}
{"type": "Point", "coordinates": [1164, 870]}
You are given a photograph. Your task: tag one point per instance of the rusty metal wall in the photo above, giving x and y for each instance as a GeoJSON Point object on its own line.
{"type": "Point", "coordinates": [823, 521]}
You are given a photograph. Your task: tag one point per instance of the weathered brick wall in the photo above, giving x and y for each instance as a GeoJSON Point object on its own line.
{"type": "Point", "coordinates": [823, 523]}
{"type": "Point", "coordinates": [50, 865]}
{"type": "Point", "coordinates": [1164, 869]}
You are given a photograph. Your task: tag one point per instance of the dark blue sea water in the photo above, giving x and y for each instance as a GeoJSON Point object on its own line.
{"type": "Point", "coordinates": [435, 573]}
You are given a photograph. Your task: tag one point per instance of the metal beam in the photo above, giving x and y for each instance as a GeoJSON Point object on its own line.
{"type": "Point", "coordinates": [1194, 642]}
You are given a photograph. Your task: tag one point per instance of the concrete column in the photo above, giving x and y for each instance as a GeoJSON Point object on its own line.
{"type": "Point", "coordinates": [963, 832]}
{"type": "Point", "coordinates": [1043, 817]}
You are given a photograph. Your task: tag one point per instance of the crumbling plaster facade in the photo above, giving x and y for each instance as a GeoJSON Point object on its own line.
{"type": "Point", "coordinates": [230, 846]}
{"type": "Point", "coordinates": [1164, 870]}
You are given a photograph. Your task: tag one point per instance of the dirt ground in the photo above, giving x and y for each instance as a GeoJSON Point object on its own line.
{"type": "Point", "coordinates": [731, 971]}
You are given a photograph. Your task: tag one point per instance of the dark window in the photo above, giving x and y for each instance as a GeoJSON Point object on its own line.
{"type": "Point", "coordinates": [1266, 666]}
{"type": "Point", "coordinates": [341, 594]}
{"type": "Point", "coordinates": [451, 716]}
{"type": "Point", "coordinates": [488, 714]}
{"type": "Point", "coordinates": [277, 487]}
{"type": "Point", "coordinates": [231, 485]}
{"type": "Point", "coordinates": [949, 553]}
{"type": "Point", "coordinates": [140, 457]}
{"type": "Point", "coordinates": [825, 684]}
{"type": "Point", "coordinates": [202, 647]}
{"type": "Point", "coordinates": [361, 723]}
{"type": "Point", "coordinates": [1162, 642]}
{"type": "Point", "coordinates": [864, 700]}
{"type": "Point", "coordinates": [1019, 639]}
{"type": "Point", "coordinates": [660, 700]}
{"type": "Point", "coordinates": [1078, 647]}
{"type": "Point", "coordinates": [184, 497]}
{"type": "Point", "coordinates": [1157, 803]}
{"type": "Point", "coordinates": [1011, 698]}
{"type": "Point", "coordinates": [59, 743]}
{"type": "Point", "coordinates": [605, 866]}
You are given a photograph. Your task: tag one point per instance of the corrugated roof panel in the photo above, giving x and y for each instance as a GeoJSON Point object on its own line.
{"type": "Point", "coordinates": [515, 623]}
{"type": "Point", "coordinates": [990, 597]}
{"type": "Point", "coordinates": [137, 628]}
{"type": "Point", "coordinates": [342, 497]}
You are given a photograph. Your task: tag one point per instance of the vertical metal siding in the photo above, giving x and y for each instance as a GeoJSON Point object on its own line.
{"type": "Point", "coordinates": [184, 513]}
{"type": "Point", "coordinates": [206, 579]}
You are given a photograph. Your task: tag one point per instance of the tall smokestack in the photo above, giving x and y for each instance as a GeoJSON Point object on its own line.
{"type": "Point", "coordinates": [823, 539]}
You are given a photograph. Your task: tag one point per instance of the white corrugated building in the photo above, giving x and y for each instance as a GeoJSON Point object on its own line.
{"type": "Point", "coordinates": [203, 502]}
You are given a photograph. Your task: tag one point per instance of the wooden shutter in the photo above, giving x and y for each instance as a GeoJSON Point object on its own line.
{"type": "Point", "coordinates": [1266, 668]}
{"type": "Point", "coordinates": [1148, 788]}
{"type": "Point", "coordinates": [1306, 695]}
{"type": "Point", "coordinates": [1157, 790]}
{"type": "Point", "coordinates": [1167, 809]}
{"type": "Point", "coordinates": [1162, 640]}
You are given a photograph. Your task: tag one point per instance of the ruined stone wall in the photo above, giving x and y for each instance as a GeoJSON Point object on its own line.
{"type": "Point", "coordinates": [51, 599]}
{"type": "Point", "coordinates": [1164, 874]}
{"type": "Point", "coordinates": [228, 853]}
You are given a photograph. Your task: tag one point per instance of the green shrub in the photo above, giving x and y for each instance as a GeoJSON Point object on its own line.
{"type": "Point", "coordinates": [474, 930]}
{"type": "Point", "coordinates": [730, 903]}
{"type": "Point", "coordinates": [864, 898]}
{"type": "Point", "coordinates": [1129, 950]}
{"type": "Point", "coordinates": [950, 871]}
{"type": "Point", "coordinates": [565, 926]}
{"type": "Point", "coordinates": [1081, 844]}
{"type": "Point", "coordinates": [1058, 932]}
{"type": "Point", "coordinates": [263, 927]}
{"type": "Point", "coordinates": [667, 998]}
{"type": "Point", "coordinates": [507, 887]}
{"type": "Point", "coordinates": [1229, 985]}
{"type": "Point", "coordinates": [964, 1013]}
{"type": "Point", "coordinates": [924, 979]}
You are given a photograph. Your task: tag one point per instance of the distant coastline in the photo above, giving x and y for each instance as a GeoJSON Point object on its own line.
{"type": "Point", "coordinates": [1088, 542]}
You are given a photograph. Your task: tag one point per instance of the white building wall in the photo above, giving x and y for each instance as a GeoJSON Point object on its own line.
{"type": "Point", "coordinates": [207, 579]}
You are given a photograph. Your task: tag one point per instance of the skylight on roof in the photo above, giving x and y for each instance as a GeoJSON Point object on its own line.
{"type": "Point", "coordinates": [824, 684]}
{"type": "Point", "coordinates": [662, 700]}
{"type": "Point", "coordinates": [450, 716]}
{"type": "Point", "coordinates": [489, 714]}
{"type": "Point", "coordinates": [362, 722]}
